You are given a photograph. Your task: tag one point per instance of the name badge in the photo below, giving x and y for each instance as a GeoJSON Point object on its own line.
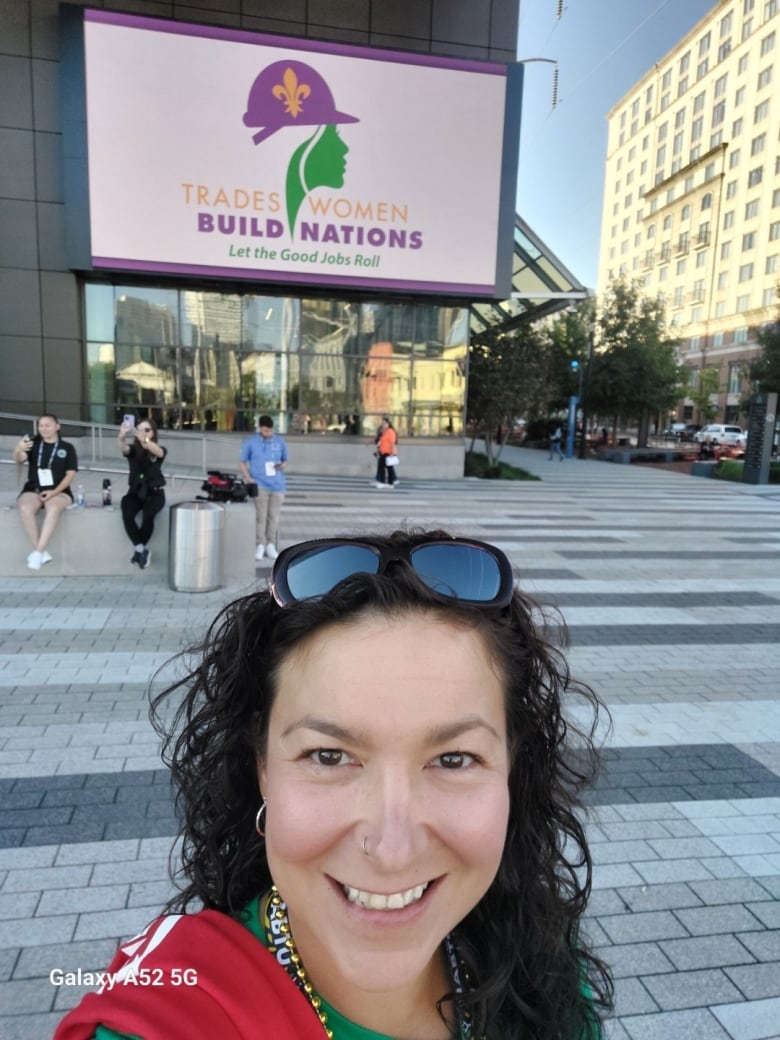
{"type": "Point", "coordinates": [270, 469]}
{"type": "Point", "coordinates": [45, 478]}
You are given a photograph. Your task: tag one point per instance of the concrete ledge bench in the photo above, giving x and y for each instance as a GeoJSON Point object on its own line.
{"type": "Point", "coordinates": [628, 455]}
{"type": "Point", "coordinates": [91, 541]}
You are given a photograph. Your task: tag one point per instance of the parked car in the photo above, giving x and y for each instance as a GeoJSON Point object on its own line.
{"type": "Point", "coordinates": [673, 432]}
{"type": "Point", "coordinates": [689, 432]}
{"type": "Point", "coordinates": [719, 433]}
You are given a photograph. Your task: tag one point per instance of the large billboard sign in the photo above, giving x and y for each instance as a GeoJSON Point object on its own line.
{"type": "Point", "coordinates": [221, 153]}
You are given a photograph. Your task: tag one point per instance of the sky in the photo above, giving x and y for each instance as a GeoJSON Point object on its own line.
{"type": "Point", "coordinates": [602, 48]}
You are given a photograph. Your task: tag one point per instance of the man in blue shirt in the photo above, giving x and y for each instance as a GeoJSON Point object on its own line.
{"type": "Point", "coordinates": [262, 461]}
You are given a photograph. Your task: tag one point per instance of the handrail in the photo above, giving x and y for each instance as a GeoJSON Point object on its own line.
{"type": "Point", "coordinates": [96, 432]}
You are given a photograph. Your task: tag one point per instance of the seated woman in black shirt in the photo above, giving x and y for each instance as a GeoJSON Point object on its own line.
{"type": "Point", "coordinates": [145, 496]}
{"type": "Point", "coordinates": [52, 465]}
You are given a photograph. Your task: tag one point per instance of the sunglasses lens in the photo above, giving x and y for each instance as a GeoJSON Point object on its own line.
{"type": "Point", "coordinates": [318, 570]}
{"type": "Point", "coordinates": [462, 571]}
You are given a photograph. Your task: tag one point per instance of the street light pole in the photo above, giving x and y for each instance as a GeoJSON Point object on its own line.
{"type": "Point", "coordinates": [584, 394]}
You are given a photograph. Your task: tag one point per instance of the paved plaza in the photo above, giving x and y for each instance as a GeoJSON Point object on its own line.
{"type": "Point", "coordinates": [670, 585]}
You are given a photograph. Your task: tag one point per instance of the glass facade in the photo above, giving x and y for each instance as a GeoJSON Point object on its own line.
{"type": "Point", "coordinates": [215, 361]}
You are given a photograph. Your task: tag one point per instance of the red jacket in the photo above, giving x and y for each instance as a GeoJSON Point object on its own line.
{"type": "Point", "coordinates": [195, 977]}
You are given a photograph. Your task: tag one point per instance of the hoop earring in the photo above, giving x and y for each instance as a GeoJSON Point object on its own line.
{"type": "Point", "coordinates": [365, 843]}
{"type": "Point", "coordinates": [258, 818]}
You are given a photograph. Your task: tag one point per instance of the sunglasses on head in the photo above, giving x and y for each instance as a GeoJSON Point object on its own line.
{"type": "Point", "coordinates": [461, 569]}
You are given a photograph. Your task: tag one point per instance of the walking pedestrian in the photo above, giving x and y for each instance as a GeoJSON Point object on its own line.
{"type": "Point", "coordinates": [555, 443]}
{"type": "Point", "coordinates": [386, 458]}
{"type": "Point", "coordinates": [262, 463]}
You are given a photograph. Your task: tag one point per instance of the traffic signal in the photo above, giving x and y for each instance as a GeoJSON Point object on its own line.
{"type": "Point", "coordinates": [574, 364]}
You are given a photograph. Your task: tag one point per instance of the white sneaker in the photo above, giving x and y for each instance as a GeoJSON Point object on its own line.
{"type": "Point", "coordinates": [270, 551]}
{"type": "Point", "coordinates": [377, 484]}
{"type": "Point", "coordinates": [46, 557]}
{"type": "Point", "coordinates": [259, 552]}
{"type": "Point", "coordinates": [34, 560]}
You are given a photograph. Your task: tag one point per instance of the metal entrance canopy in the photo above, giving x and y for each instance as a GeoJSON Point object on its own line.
{"type": "Point", "coordinates": [541, 285]}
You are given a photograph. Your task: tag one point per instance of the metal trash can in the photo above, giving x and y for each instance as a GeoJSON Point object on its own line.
{"type": "Point", "coordinates": [196, 546]}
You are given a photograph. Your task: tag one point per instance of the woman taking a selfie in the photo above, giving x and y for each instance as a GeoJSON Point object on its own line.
{"type": "Point", "coordinates": [145, 497]}
{"type": "Point", "coordinates": [379, 809]}
{"type": "Point", "coordinates": [52, 465]}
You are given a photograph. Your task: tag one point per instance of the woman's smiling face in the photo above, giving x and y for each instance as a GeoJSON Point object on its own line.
{"type": "Point", "coordinates": [385, 772]}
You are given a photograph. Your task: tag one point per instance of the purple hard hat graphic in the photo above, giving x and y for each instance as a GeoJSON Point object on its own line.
{"type": "Point", "coordinates": [290, 93]}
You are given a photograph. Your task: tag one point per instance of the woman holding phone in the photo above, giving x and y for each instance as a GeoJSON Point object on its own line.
{"type": "Point", "coordinates": [52, 465]}
{"type": "Point", "coordinates": [381, 816]}
{"type": "Point", "coordinates": [145, 497]}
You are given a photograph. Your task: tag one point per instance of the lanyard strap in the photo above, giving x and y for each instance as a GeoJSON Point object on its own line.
{"type": "Point", "coordinates": [51, 454]}
{"type": "Point", "coordinates": [275, 940]}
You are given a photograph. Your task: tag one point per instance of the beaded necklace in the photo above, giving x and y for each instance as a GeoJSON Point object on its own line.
{"type": "Point", "coordinates": [273, 916]}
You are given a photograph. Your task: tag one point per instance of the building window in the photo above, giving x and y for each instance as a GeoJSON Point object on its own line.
{"type": "Point", "coordinates": [682, 86]}
{"type": "Point", "coordinates": [745, 272]}
{"type": "Point", "coordinates": [698, 290]}
{"type": "Point", "coordinates": [685, 213]}
{"type": "Point", "coordinates": [765, 77]}
{"type": "Point", "coordinates": [660, 156]}
{"type": "Point", "coordinates": [683, 243]}
{"type": "Point", "coordinates": [757, 144]}
{"type": "Point", "coordinates": [696, 314]}
{"type": "Point", "coordinates": [767, 44]}
{"type": "Point", "coordinates": [720, 85]}
{"type": "Point", "coordinates": [677, 146]}
{"type": "Point", "coordinates": [741, 334]}
{"type": "Point", "coordinates": [739, 97]}
{"type": "Point", "coordinates": [734, 159]}
{"type": "Point", "coordinates": [702, 68]}
{"type": "Point", "coordinates": [717, 339]}
{"type": "Point", "coordinates": [718, 113]}
{"type": "Point", "coordinates": [776, 197]}
{"type": "Point", "coordinates": [726, 23]}
{"type": "Point", "coordinates": [706, 201]}
{"type": "Point", "coordinates": [747, 6]}
{"type": "Point", "coordinates": [731, 190]}
{"type": "Point", "coordinates": [709, 171]}
{"type": "Point", "coordinates": [774, 231]}
{"type": "Point", "coordinates": [728, 219]}
{"type": "Point", "coordinates": [680, 266]}
{"type": "Point", "coordinates": [696, 128]}
{"type": "Point", "coordinates": [662, 131]}
{"type": "Point", "coordinates": [663, 274]}
{"type": "Point", "coordinates": [747, 29]}
{"type": "Point", "coordinates": [771, 264]}
{"type": "Point", "coordinates": [743, 303]}
{"type": "Point", "coordinates": [666, 80]}
{"type": "Point", "coordinates": [701, 258]}
{"type": "Point", "coordinates": [755, 176]}
{"type": "Point", "coordinates": [761, 111]}
{"type": "Point", "coordinates": [678, 296]}
{"type": "Point", "coordinates": [751, 209]}
{"type": "Point", "coordinates": [720, 309]}
{"type": "Point", "coordinates": [770, 295]}
{"type": "Point", "coordinates": [685, 62]}
{"type": "Point", "coordinates": [736, 127]}
{"type": "Point", "coordinates": [723, 280]}
{"type": "Point", "coordinates": [704, 44]}
{"type": "Point", "coordinates": [651, 231]}
{"type": "Point", "coordinates": [668, 221]}
{"type": "Point", "coordinates": [725, 250]}
{"type": "Point", "coordinates": [770, 9]}
{"type": "Point", "coordinates": [735, 377]}
{"type": "Point", "coordinates": [724, 50]}
{"type": "Point", "coordinates": [698, 103]}
{"type": "Point", "coordinates": [749, 241]}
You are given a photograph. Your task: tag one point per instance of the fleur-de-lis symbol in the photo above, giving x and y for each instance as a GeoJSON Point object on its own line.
{"type": "Point", "coordinates": [291, 92]}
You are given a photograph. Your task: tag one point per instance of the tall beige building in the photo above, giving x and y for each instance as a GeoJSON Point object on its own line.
{"type": "Point", "coordinates": [692, 190]}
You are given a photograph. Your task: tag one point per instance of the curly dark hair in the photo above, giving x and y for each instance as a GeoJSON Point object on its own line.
{"type": "Point", "coordinates": [531, 971]}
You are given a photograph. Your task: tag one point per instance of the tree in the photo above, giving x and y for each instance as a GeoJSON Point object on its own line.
{"type": "Point", "coordinates": [637, 372]}
{"type": "Point", "coordinates": [709, 384]}
{"type": "Point", "coordinates": [569, 342]}
{"type": "Point", "coordinates": [764, 371]}
{"type": "Point", "coordinates": [508, 375]}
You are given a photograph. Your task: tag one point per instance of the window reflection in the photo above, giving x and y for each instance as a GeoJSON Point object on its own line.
{"type": "Point", "coordinates": [215, 361]}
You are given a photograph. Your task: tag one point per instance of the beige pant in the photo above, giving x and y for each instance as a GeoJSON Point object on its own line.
{"type": "Point", "coordinates": [268, 506]}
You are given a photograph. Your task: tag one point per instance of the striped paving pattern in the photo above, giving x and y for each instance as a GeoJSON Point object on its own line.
{"type": "Point", "coordinates": [670, 586]}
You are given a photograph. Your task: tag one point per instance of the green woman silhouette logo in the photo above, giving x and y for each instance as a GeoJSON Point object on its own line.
{"type": "Point", "coordinates": [290, 94]}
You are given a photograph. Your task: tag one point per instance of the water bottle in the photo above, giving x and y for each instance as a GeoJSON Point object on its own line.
{"type": "Point", "coordinates": [80, 495]}
{"type": "Point", "coordinates": [106, 492]}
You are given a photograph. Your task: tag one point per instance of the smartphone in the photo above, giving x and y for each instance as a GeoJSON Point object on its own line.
{"type": "Point", "coordinates": [129, 420]}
